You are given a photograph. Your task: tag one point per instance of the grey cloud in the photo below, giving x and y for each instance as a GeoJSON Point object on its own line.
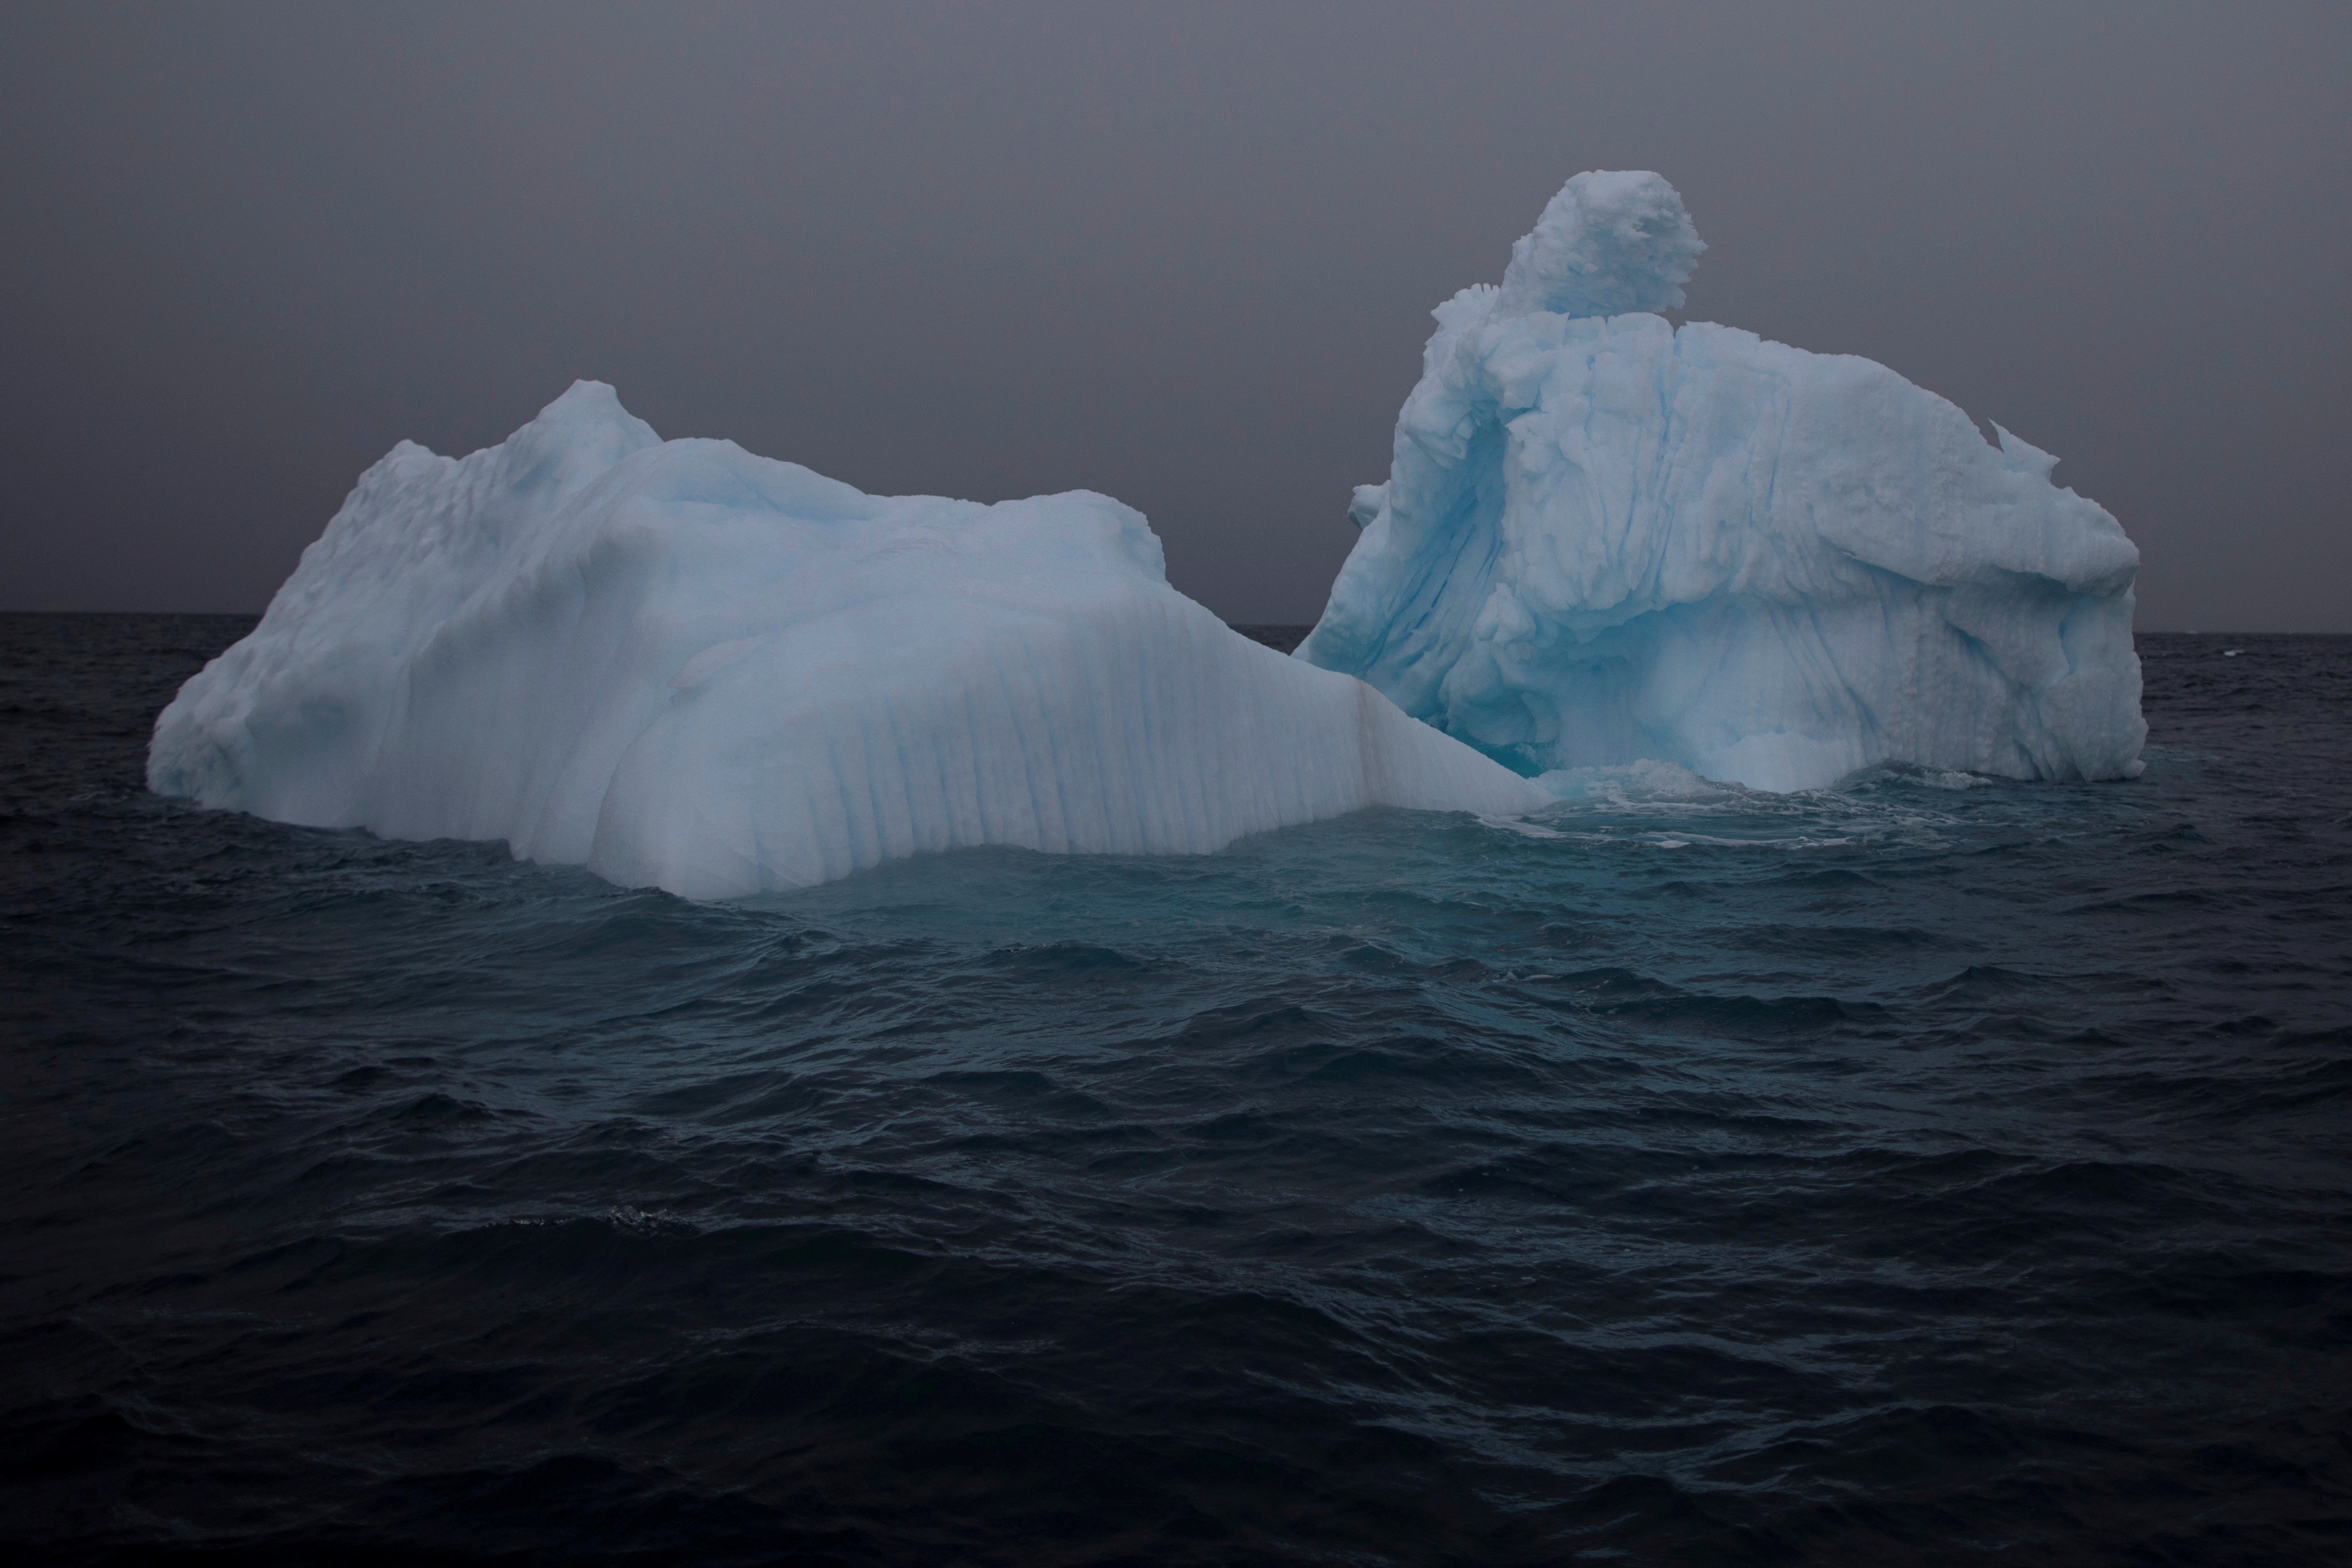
{"type": "Point", "coordinates": [1184, 255]}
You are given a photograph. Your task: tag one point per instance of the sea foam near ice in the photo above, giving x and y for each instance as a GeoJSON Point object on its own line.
{"type": "Point", "coordinates": [686, 667]}
{"type": "Point", "coordinates": [1604, 540]}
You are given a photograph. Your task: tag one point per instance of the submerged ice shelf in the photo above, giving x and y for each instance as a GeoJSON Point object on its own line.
{"type": "Point", "coordinates": [685, 666]}
{"type": "Point", "coordinates": [1605, 540]}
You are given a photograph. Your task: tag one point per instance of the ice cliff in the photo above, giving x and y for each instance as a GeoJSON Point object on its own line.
{"type": "Point", "coordinates": [1605, 540]}
{"type": "Point", "coordinates": [686, 667]}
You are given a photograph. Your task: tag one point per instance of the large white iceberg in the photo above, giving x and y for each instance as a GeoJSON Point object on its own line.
{"type": "Point", "coordinates": [686, 667]}
{"type": "Point", "coordinates": [1604, 540]}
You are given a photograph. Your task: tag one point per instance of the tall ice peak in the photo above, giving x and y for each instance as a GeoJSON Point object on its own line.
{"type": "Point", "coordinates": [1610, 242]}
{"type": "Point", "coordinates": [589, 402]}
{"type": "Point", "coordinates": [576, 438]}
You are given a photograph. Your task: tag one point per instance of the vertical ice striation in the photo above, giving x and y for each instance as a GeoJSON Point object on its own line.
{"type": "Point", "coordinates": [1603, 540]}
{"type": "Point", "coordinates": [686, 667]}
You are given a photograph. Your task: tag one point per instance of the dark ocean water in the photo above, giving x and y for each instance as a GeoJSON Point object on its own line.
{"type": "Point", "coordinates": [1927, 1170]}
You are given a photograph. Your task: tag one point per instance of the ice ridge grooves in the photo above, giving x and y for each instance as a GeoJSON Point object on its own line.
{"type": "Point", "coordinates": [1605, 540]}
{"type": "Point", "coordinates": [685, 666]}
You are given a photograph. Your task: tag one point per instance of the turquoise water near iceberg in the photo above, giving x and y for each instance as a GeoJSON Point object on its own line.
{"type": "Point", "coordinates": [1932, 1169]}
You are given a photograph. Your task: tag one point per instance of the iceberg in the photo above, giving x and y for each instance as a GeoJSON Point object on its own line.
{"type": "Point", "coordinates": [685, 666]}
{"type": "Point", "coordinates": [1605, 540]}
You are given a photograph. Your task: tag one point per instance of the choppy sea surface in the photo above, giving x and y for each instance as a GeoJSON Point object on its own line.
{"type": "Point", "coordinates": [1927, 1170]}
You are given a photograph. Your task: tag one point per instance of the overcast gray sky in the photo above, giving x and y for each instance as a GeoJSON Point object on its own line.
{"type": "Point", "coordinates": [1182, 253]}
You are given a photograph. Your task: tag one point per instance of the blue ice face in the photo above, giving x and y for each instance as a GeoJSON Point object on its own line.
{"type": "Point", "coordinates": [1604, 540]}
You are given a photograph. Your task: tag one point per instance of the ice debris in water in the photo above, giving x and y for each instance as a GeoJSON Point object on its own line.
{"type": "Point", "coordinates": [1604, 540]}
{"type": "Point", "coordinates": [686, 667]}
{"type": "Point", "coordinates": [1646, 780]}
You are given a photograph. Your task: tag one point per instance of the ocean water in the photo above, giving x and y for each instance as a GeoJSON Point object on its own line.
{"type": "Point", "coordinates": [1929, 1170]}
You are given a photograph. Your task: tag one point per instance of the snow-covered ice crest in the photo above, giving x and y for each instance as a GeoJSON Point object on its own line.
{"type": "Point", "coordinates": [683, 665]}
{"type": "Point", "coordinates": [1604, 540]}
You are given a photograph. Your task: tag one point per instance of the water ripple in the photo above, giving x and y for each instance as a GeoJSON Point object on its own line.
{"type": "Point", "coordinates": [1931, 1169]}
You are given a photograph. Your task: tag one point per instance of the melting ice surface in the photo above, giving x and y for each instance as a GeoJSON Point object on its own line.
{"type": "Point", "coordinates": [1605, 540]}
{"type": "Point", "coordinates": [688, 667]}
